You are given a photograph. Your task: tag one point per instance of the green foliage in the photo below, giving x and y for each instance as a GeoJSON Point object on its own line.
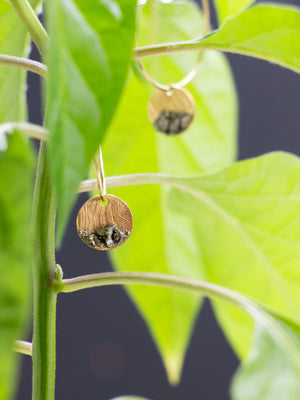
{"type": "Point", "coordinates": [238, 227]}
{"type": "Point", "coordinates": [13, 41]}
{"type": "Point", "coordinates": [247, 229]}
{"type": "Point", "coordinates": [271, 371]}
{"type": "Point", "coordinates": [90, 50]}
{"type": "Point", "coordinates": [162, 239]}
{"type": "Point", "coordinates": [16, 173]}
{"type": "Point", "coordinates": [229, 8]}
{"type": "Point", "coordinates": [16, 168]}
{"type": "Point", "coordinates": [268, 32]}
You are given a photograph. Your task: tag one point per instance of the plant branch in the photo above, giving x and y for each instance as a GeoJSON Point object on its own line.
{"type": "Point", "coordinates": [24, 63]}
{"type": "Point", "coordinates": [44, 304]}
{"type": "Point", "coordinates": [155, 279]}
{"type": "Point", "coordinates": [23, 347]}
{"type": "Point", "coordinates": [128, 180]}
{"type": "Point", "coordinates": [26, 128]}
{"type": "Point", "coordinates": [208, 289]}
{"type": "Point", "coordinates": [201, 44]}
{"type": "Point", "coordinates": [32, 24]}
{"type": "Point", "coordinates": [174, 47]}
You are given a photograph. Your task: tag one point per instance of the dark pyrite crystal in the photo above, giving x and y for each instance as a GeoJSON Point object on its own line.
{"type": "Point", "coordinates": [104, 238]}
{"type": "Point", "coordinates": [172, 122]}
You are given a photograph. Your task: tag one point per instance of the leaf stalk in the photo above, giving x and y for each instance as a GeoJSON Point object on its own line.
{"type": "Point", "coordinates": [31, 130]}
{"type": "Point", "coordinates": [174, 47]}
{"type": "Point", "coordinates": [23, 347]}
{"type": "Point", "coordinates": [90, 185]}
{"type": "Point", "coordinates": [208, 289]}
{"type": "Point", "coordinates": [24, 63]}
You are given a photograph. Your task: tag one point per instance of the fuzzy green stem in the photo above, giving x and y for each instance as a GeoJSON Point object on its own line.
{"type": "Point", "coordinates": [208, 289]}
{"type": "Point", "coordinates": [44, 306]}
{"type": "Point", "coordinates": [24, 63]}
{"type": "Point", "coordinates": [23, 347]}
{"type": "Point", "coordinates": [32, 24]}
{"type": "Point", "coordinates": [26, 128]}
{"type": "Point", "coordinates": [132, 179]}
{"type": "Point", "coordinates": [166, 48]}
{"type": "Point", "coordinates": [154, 279]}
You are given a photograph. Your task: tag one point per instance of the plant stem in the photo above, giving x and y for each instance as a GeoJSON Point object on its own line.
{"type": "Point", "coordinates": [24, 63]}
{"type": "Point", "coordinates": [175, 47]}
{"type": "Point", "coordinates": [32, 24]}
{"type": "Point", "coordinates": [28, 129]}
{"type": "Point", "coordinates": [208, 289]}
{"type": "Point", "coordinates": [153, 279]}
{"type": "Point", "coordinates": [23, 347]}
{"type": "Point", "coordinates": [132, 179]}
{"type": "Point", "coordinates": [44, 306]}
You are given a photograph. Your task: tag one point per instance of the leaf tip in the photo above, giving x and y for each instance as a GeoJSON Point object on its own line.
{"type": "Point", "coordinates": [173, 365]}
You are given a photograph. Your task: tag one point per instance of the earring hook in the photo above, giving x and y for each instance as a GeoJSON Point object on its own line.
{"type": "Point", "coordinates": [99, 168]}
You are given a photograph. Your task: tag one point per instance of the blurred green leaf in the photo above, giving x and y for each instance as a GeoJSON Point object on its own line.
{"type": "Point", "coordinates": [90, 51]}
{"type": "Point", "coordinates": [13, 41]}
{"type": "Point", "coordinates": [268, 32]}
{"type": "Point", "coordinates": [247, 227]}
{"type": "Point", "coordinates": [230, 8]}
{"type": "Point", "coordinates": [245, 223]}
{"type": "Point", "coordinates": [270, 371]}
{"type": "Point", "coordinates": [163, 240]}
{"type": "Point", "coordinates": [16, 174]}
{"type": "Point", "coordinates": [16, 177]}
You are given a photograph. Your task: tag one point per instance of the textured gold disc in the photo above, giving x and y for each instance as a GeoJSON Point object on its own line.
{"type": "Point", "coordinates": [171, 112]}
{"type": "Point", "coordinates": [104, 226]}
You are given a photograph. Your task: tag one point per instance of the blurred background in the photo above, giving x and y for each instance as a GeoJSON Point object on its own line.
{"type": "Point", "coordinates": [103, 346]}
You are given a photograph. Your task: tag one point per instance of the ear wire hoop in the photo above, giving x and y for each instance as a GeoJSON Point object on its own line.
{"type": "Point", "coordinates": [190, 76]}
{"type": "Point", "coordinates": [99, 168]}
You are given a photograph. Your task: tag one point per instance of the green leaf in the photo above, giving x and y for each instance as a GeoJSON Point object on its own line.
{"type": "Point", "coordinates": [272, 368]}
{"type": "Point", "coordinates": [270, 371]}
{"type": "Point", "coordinates": [88, 59]}
{"type": "Point", "coordinates": [246, 223]}
{"type": "Point", "coordinates": [13, 41]}
{"type": "Point", "coordinates": [16, 176]}
{"type": "Point", "coordinates": [229, 8]}
{"type": "Point", "coordinates": [268, 32]}
{"type": "Point", "coordinates": [162, 239]}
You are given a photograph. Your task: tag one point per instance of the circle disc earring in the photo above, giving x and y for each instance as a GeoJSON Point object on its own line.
{"type": "Point", "coordinates": [104, 222]}
{"type": "Point", "coordinates": [171, 109]}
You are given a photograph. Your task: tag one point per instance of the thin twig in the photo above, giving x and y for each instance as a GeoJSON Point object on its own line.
{"type": "Point", "coordinates": [208, 289]}
{"type": "Point", "coordinates": [90, 185]}
{"type": "Point", "coordinates": [23, 347]}
{"type": "Point", "coordinates": [174, 47]}
{"type": "Point", "coordinates": [24, 63]}
{"type": "Point", "coordinates": [28, 129]}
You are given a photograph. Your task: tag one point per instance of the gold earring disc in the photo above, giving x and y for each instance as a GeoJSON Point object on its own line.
{"type": "Point", "coordinates": [104, 225]}
{"type": "Point", "coordinates": [171, 112]}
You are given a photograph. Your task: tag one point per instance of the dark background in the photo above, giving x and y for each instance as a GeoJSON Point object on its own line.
{"type": "Point", "coordinates": [103, 346]}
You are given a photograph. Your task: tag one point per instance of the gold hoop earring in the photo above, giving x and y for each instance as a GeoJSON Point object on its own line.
{"type": "Point", "coordinates": [171, 109]}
